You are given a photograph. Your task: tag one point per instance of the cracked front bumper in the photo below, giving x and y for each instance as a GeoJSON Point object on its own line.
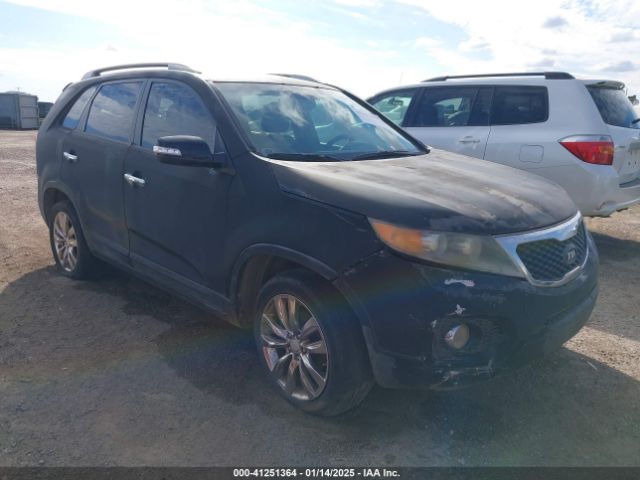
{"type": "Point", "coordinates": [405, 308]}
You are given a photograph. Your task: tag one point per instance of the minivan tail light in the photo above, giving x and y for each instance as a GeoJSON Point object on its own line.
{"type": "Point", "coordinates": [596, 149]}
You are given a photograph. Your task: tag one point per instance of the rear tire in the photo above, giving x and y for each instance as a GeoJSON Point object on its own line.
{"type": "Point", "coordinates": [68, 245]}
{"type": "Point", "coordinates": [316, 358]}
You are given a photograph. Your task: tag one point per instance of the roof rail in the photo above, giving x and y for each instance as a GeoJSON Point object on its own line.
{"type": "Point", "coordinates": [547, 75]}
{"type": "Point", "coordinates": [171, 66]}
{"type": "Point", "coordinates": [296, 76]}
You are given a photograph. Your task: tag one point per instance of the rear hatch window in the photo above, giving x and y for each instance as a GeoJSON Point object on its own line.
{"type": "Point", "coordinates": [614, 106]}
{"type": "Point", "coordinates": [618, 113]}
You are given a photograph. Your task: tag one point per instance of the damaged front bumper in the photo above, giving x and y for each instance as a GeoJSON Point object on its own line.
{"type": "Point", "coordinates": [406, 308]}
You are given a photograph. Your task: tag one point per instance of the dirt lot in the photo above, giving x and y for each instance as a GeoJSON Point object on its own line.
{"type": "Point", "coordinates": [116, 372]}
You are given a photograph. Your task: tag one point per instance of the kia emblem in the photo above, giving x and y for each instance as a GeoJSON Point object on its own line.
{"type": "Point", "coordinates": [570, 254]}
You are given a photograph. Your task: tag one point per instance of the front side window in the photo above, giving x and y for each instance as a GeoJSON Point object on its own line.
{"type": "Point", "coordinates": [175, 109]}
{"type": "Point", "coordinates": [299, 122]}
{"type": "Point", "coordinates": [73, 116]}
{"type": "Point", "coordinates": [614, 107]}
{"type": "Point", "coordinates": [445, 107]}
{"type": "Point", "coordinates": [113, 110]}
{"type": "Point", "coordinates": [394, 105]}
{"type": "Point", "coordinates": [519, 105]}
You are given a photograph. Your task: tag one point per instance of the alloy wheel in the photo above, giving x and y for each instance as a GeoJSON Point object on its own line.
{"type": "Point", "coordinates": [294, 347]}
{"type": "Point", "coordinates": [65, 241]}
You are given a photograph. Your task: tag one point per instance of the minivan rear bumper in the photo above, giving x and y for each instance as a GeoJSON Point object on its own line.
{"type": "Point", "coordinates": [595, 189]}
{"type": "Point", "coordinates": [625, 196]}
{"type": "Point", "coordinates": [407, 307]}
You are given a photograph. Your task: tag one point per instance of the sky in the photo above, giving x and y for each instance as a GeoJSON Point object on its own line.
{"type": "Point", "coordinates": [362, 45]}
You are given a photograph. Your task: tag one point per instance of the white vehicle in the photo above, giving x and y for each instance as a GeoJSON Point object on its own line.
{"type": "Point", "coordinates": [582, 134]}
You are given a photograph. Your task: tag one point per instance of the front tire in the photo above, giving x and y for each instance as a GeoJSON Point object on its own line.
{"type": "Point", "coordinates": [310, 344]}
{"type": "Point", "coordinates": [68, 245]}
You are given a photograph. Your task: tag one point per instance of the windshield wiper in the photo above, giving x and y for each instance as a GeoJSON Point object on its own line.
{"type": "Point", "coordinates": [306, 157]}
{"type": "Point", "coordinates": [386, 154]}
{"type": "Point", "coordinates": [633, 122]}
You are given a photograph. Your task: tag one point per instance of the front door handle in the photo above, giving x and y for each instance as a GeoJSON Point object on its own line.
{"type": "Point", "coordinates": [469, 140]}
{"type": "Point", "coordinates": [134, 181]}
{"type": "Point", "coordinates": [70, 157]}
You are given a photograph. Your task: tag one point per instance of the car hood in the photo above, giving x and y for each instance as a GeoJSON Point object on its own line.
{"type": "Point", "coordinates": [440, 191]}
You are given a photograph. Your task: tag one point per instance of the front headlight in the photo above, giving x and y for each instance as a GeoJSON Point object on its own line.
{"type": "Point", "coordinates": [472, 252]}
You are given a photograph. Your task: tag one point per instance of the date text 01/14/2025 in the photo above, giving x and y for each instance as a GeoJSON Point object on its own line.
{"type": "Point", "coordinates": [315, 473]}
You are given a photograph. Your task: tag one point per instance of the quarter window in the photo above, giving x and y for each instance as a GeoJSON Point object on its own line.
{"type": "Point", "coordinates": [519, 105]}
{"type": "Point", "coordinates": [112, 111]}
{"type": "Point", "coordinates": [175, 109]}
{"type": "Point", "coordinates": [73, 116]}
{"type": "Point", "coordinates": [394, 105]}
{"type": "Point", "coordinates": [446, 107]}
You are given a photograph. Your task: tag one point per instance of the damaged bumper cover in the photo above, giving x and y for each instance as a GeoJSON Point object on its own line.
{"type": "Point", "coordinates": [406, 308]}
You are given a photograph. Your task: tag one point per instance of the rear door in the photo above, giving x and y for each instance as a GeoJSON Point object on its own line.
{"type": "Point", "coordinates": [176, 221]}
{"type": "Point", "coordinates": [518, 117]}
{"type": "Point", "coordinates": [618, 113]}
{"type": "Point", "coordinates": [454, 118]}
{"type": "Point", "coordinates": [93, 152]}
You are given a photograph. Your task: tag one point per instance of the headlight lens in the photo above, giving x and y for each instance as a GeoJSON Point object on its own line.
{"type": "Point", "coordinates": [473, 252]}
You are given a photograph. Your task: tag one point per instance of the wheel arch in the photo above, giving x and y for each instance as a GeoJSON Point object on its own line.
{"type": "Point", "coordinates": [261, 262]}
{"type": "Point", "coordinates": [53, 193]}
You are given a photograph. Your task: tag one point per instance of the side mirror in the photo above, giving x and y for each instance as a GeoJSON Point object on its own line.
{"type": "Point", "coordinates": [188, 151]}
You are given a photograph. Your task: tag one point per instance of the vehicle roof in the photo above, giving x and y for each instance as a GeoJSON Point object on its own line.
{"type": "Point", "coordinates": [532, 80]}
{"type": "Point", "coordinates": [269, 78]}
{"type": "Point", "coordinates": [142, 69]}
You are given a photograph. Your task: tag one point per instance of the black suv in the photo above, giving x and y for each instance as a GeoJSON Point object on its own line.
{"type": "Point", "coordinates": [293, 207]}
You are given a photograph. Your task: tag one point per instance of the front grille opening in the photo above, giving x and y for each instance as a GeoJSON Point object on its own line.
{"type": "Point", "coordinates": [551, 259]}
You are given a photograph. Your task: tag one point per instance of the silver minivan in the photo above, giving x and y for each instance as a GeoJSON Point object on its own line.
{"type": "Point", "coordinates": [582, 134]}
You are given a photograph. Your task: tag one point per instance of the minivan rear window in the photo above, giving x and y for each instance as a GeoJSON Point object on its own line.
{"type": "Point", "coordinates": [519, 105]}
{"type": "Point", "coordinates": [614, 106]}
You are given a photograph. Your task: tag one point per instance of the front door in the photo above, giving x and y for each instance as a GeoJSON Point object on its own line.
{"type": "Point", "coordinates": [452, 118]}
{"type": "Point", "coordinates": [93, 153]}
{"type": "Point", "coordinates": [176, 219]}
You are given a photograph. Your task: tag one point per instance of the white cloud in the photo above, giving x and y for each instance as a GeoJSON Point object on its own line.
{"type": "Point", "coordinates": [218, 37]}
{"type": "Point", "coordinates": [427, 43]}
{"type": "Point", "coordinates": [624, 66]}
{"type": "Point", "coordinates": [221, 37]}
{"type": "Point", "coordinates": [543, 63]}
{"type": "Point", "coordinates": [555, 22]}
{"type": "Point", "coordinates": [359, 3]}
{"type": "Point", "coordinates": [514, 31]}
{"type": "Point", "coordinates": [474, 44]}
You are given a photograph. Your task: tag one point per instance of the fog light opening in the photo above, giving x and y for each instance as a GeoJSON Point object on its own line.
{"type": "Point", "coordinates": [458, 337]}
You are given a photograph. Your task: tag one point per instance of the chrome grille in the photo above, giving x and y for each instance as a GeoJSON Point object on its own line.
{"type": "Point", "coordinates": [552, 259]}
{"type": "Point", "coordinates": [550, 256]}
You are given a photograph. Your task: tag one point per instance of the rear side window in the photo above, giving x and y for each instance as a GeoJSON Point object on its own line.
{"type": "Point", "coordinates": [394, 105]}
{"type": "Point", "coordinates": [112, 111]}
{"type": "Point", "coordinates": [519, 105]}
{"type": "Point", "coordinates": [73, 116]}
{"type": "Point", "coordinates": [453, 107]}
{"type": "Point", "coordinates": [175, 109]}
{"type": "Point", "coordinates": [614, 107]}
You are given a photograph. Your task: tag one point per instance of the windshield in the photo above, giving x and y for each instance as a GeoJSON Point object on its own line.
{"type": "Point", "coordinates": [614, 106]}
{"type": "Point", "coordinates": [309, 123]}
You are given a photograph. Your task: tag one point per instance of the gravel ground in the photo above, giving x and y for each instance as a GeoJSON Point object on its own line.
{"type": "Point", "coordinates": [116, 372]}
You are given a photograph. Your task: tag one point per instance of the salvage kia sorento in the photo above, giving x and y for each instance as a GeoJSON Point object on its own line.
{"type": "Point", "coordinates": [289, 206]}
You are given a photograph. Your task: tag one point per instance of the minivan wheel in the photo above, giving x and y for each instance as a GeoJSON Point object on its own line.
{"type": "Point", "coordinates": [70, 251]}
{"type": "Point", "coordinates": [310, 344]}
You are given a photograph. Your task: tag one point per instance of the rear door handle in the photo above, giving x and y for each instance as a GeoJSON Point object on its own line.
{"type": "Point", "coordinates": [134, 181]}
{"type": "Point", "coordinates": [469, 140]}
{"type": "Point", "coordinates": [70, 157]}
